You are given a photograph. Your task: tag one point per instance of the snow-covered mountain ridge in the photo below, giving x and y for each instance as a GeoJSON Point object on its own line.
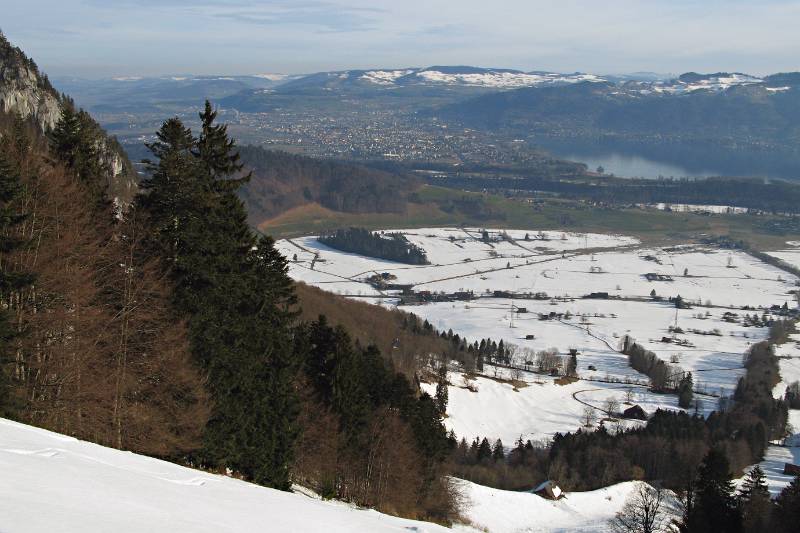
{"type": "Point", "coordinates": [498, 78]}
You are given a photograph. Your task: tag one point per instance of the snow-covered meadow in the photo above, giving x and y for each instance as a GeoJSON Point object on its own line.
{"type": "Point", "coordinates": [790, 255]}
{"type": "Point", "coordinates": [51, 482]}
{"type": "Point", "coordinates": [502, 511]}
{"type": "Point", "coordinates": [538, 409]}
{"type": "Point", "coordinates": [518, 276]}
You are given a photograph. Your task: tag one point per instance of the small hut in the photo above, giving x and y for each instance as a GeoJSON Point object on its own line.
{"type": "Point", "coordinates": [549, 490]}
{"type": "Point", "coordinates": [634, 412]}
{"type": "Point", "coordinates": [791, 470]}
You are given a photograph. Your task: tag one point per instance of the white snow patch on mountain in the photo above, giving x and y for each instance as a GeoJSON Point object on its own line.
{"type": "Point", "coordinates": [271, 77]}
{"type": "Point", "coordinates": [385, 77]}
{"type": "Point", "coordinates": [503, 79]}
{"type": "Point", "coordinates": [712, 83]}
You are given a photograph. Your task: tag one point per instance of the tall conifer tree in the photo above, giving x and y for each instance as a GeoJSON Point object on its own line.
{"type": "Point", "coordinates": [236, 293]}
{"type": "Point", "coordinates": [714, 508]}
{"type": "Point", "coordinates": [754, 502]}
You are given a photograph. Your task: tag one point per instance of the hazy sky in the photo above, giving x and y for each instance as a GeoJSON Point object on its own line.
{"type": "Point", "coordinates": [144, 37]}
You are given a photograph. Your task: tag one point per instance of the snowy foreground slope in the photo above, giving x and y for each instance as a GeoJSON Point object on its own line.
{"type": "Point", "coordinates": [501, 511]}
{"type": "Point", "coordinates": [50, 482]}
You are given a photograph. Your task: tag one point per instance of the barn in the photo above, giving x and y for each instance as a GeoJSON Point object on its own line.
{"type": "Point", "coordinates": [635, 412]}
{"type": "Point", "coordinates": [549, 490]}
{"type": "Point", "coordinates": [791, 470]}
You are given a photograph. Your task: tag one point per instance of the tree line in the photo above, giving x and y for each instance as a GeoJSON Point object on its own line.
{"type": "Point", "coordinates": [389, 246]}
{"type": "Point", "coordinates": [776, 196]}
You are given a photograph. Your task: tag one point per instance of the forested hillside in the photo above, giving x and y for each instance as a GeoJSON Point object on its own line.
{"type": "Point", "coordinates": [171, 329]}
{"type": "Point", "coordinates": [281, 181]}
{"type": "Point", "coordinates": [401, 337]}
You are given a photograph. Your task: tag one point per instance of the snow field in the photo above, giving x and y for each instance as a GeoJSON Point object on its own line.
{"type": "Point", "coordinates": [716, 361]}
{"type": "Point", "coordinates": [493, 408]}
{"type": "Point", "coordinates": [731, 279]}
{"type": "Point", "coordinates": [568, 266]}
{"type": "Point", "coordinates": [791, 257]}
{"type": "Point", "coordinates": [697, 208]}
{"type": "Point", "coordinates": [501, 511]}
{"type": "Point", "coordinates": [773, 463]}
{"type": "Point", "coordinates": [778, 455]}
{"type": "Point", "coordinates": [82, 487]}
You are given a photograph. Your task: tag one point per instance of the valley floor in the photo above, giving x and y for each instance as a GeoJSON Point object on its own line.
{"type": "Point", "coordinates": [731, 296]}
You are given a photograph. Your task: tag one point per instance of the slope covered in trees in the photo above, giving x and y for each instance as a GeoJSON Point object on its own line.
{"type": "Point", "coordinates": [194, 320]}
{"type": "Point", "coordinates": [402, 338]}
{"type": "Point", "coordinates": [90, 344]}
{"type": "Point", "coordinates": [281, 181]}
{"type": "Point", "coordinates": [171, 329]}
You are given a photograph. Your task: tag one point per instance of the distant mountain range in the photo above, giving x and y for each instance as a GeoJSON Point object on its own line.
{"type": "Point", "coordinates": [716, 105]}
{"type": "Point", "coordinates": [126, 92]}
{"type": "Point", "coordinates": [463, 76]}
{"type": "Point", "coordinates": [729, 121]}
{"type": "Point", "coordinates": [244, 90]}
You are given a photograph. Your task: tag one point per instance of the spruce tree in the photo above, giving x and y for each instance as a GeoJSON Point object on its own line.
{"type": "Point", "coordinates": [754, 502]}
{"type": "Point", "coordinates": [484, 450]}
{"type": "Point", "coordinates": [441, 389]}
{"type": "Point", "coordinates": [75, 142]}
{"type": "Point", "coordinates": [236, 294]}
{"type": "Point", "coordinates": [498, 454]}
{"type": "Point", "coordinates": [714, 508]}
{"type": "Point", "coordinates": [787, 508]}
{"type": "Point", "coordinates": [66, 135]}
{"type": "Point", "coordinates": [572, 364]}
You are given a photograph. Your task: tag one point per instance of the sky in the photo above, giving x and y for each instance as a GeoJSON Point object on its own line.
{"type": "Point", "coordinates": [101, 38]}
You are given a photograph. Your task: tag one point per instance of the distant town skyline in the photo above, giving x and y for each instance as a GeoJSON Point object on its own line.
{"type": "Point", "coordinates": [102, 38]}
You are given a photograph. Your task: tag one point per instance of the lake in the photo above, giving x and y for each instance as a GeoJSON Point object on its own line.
{"type": "Point", "coordinates": [634, 166]}
{"type": "Point", "coordinates": [678, 160]}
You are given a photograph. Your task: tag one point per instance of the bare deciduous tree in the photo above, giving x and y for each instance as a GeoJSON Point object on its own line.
{"type": "Point", "coordinates": [629, 395]}
{"type": "Point", "coordinates": [589, 416]}
{"type": "Point", "coordinates": [611, 406]}
{"type": "Point", "coordinates": [546, 360]}
{"type": "Point", "coordinates": [644, 512]}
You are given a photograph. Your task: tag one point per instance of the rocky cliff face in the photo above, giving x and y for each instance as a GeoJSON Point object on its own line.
{"type": "Point", "coordinates": [28, 92]}
{"type": "Point", "coordinates": [22, 91]}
